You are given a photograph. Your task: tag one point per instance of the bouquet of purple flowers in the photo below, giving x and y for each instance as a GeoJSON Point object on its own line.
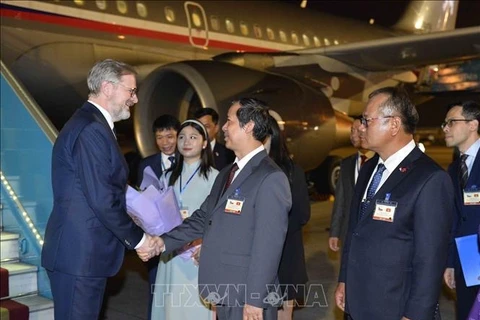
{"type": "Point", "coordinates": [155, 209]}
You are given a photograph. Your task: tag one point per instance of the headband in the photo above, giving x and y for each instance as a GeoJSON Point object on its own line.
{"type": "Point", "coordinates": [198, 123]}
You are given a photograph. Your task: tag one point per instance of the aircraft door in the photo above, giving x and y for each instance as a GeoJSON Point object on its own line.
{"type": "Point", "coordinates": [197, 24]}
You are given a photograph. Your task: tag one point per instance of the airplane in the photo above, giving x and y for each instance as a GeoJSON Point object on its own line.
{"type": "Point", "coordinates": [314, 70]}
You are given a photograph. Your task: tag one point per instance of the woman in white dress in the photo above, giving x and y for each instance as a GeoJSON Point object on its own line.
{"type": "Point", "coordinates": [176, 293]}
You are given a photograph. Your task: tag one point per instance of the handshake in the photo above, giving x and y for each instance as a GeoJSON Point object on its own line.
{"type": "Point", "coordinates": [151, 247]}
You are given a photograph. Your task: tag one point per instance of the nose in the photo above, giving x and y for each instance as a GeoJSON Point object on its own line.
{"type": "Point", "coordinates": [135, 98]}
{"type": "Point", "coordinates": [224, 127]}
{"type": "Point", "coordinates": [445, 128]}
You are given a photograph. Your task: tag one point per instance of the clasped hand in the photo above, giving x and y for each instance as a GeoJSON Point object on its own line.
{"type": "Point", "coordinates": [152, 247]}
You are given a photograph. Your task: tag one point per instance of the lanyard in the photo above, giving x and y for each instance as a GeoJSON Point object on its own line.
{"type": "Point", "coordinates": [188, 181]}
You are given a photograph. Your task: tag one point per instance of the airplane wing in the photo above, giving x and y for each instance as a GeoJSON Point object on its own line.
{"type": "Point", "coordinates": [407, 52]}
{"type": "Point", "coordinates": [396, 53]}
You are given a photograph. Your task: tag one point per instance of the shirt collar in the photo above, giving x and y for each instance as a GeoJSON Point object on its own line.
{"type": "Point", "coordinates": [212, 143]}
{"type": "Point", "coordinates": [395, 159]}
{"type": "Point", "coordinates": [473, 150]}
{"type": "Point", "coordinates": [241, 163]}
{"type": "Point", "coordinates": [166, 162]}
{"type": "Point", "coordinates": [105, 113]}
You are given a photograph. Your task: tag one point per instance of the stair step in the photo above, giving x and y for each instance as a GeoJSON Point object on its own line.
{"type": "Point", "coordinates": [9, 246]}
{"type": "Point", "coordinates": [22, 278]}
{"type": "Point", "coordinates": [40, 307]}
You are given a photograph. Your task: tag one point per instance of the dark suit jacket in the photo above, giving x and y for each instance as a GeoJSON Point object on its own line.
{"type": "Point", "coordinates": [88, 229]}
{"type": "Point", "coordinates": [466, 218]}
{"type": "Point", "coordinates": [240, 252]}
{"type": "Point", "coordinates": [395, 269]}
{"type": "Point", "coordinates": [343, 197]}
{"type": "Point", "coordinates": [154, 161]}
{"type": "Point", "coordinates": [292, 270]}
{"type": "Point", "coordinates": [222, 156]}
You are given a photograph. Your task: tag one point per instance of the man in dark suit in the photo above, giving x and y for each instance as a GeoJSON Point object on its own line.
{"type": "Point", "coordinates": [401, 214]}
{"type": "Point", "coordinates": [222, 156]}
{"type": "Point", "coordinates": [461, 128]}
{"type": "Point", "coordinates": [165, 129]}
{"type": "Point", "coordinates": [243, 223]}
{"type": "Point", "coordinates": [349, 170]}
{"type": "Point", "coordinates": [89, 229]}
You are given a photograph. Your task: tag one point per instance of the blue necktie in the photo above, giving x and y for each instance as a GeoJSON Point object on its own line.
{"type": "Point", "coordinates": [172, 160]}
{"type": "Point", "coordinates": [372, 188]}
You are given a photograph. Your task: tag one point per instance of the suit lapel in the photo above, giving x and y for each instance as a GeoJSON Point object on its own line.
{"type": "Point", "coordinates": [473, 177]}
{"type": "Point", "coordinates": [98, 116]}
{"type": "Point", "coordinates": [242, 176]}
{"type": "Point", "coordinates": [400, 172]}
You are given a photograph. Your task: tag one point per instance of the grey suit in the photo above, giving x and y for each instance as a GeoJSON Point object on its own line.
{"type": "Point", "coordinates": [343, 197]}
{"type": "Point", "coordinates": [240, 252]}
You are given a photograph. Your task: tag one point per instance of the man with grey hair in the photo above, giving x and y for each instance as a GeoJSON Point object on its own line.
{"type": "Point", "coordinates": [401, 214]}
{"type": "Point", "coordinates": [89, 229]}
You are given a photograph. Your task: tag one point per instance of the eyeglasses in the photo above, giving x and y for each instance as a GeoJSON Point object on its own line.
{"type": "Point", "coordinates": [133, 91]}
{"type": "Point", "coordinates": [364, 121]}
{"type": "Point", "coordinates": [449, 123]}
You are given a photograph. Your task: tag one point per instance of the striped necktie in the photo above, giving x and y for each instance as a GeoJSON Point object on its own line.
{"type": "Point", "coordinates": [463, 175]}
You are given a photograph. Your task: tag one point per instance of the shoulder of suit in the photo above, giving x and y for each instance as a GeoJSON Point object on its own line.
{"type": "Point", "coordinates": [425, 164]}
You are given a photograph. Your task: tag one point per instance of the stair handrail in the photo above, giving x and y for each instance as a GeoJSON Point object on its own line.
{"type": "Point", "coordinates": [37, 113]}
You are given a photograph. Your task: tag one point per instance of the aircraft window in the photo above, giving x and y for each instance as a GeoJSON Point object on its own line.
{"type": "Point", "coordinates": [122, 6]}
{"type": "Point", "coordinates": [79, 2]}
{"type": "Point", "coordinates": [257, 30]}
{"type": "Point", "coordinates": [306, 40]}
{"type": "Point", "coordinates": [270, 34]}
{"type": "Point", "coordinates": [283, 36]}
{"type": "Point", "coordinates": [169, 14]}
{"type": "Point", "coordinates": [294, 38]}
{"type": "Point", "coordinates": [316, 41]}
{"type": "Point", "coordinates": [214, 22]}
{"type": "Point", "coordinates": [142, 10]}
{"type": "Point", "coordinates": [327, 42]}
{"type": "Point", "coordinates": [101, 4]}
{"type": "Point", "coordinates": [196, 19]}
{"type": "Point", "coordinates": [229, 25]}
{"type": "Point", "coordinates": [335, 42]}
{"type": "Point", "coordinates": [244, 28]}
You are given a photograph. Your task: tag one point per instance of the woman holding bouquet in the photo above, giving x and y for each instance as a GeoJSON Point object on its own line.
{"type": "Point", "coordinates": [176, 290]}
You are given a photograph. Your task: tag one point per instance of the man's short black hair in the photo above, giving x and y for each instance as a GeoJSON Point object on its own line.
{"type": "Point", "coordinates": [207, 112]}
{"type": "Point", "coordinates": [254, 110]}
{"type": "Point", "coordinates": [470, 110]}
{"type": "Point", "coordinates": [166, 122]}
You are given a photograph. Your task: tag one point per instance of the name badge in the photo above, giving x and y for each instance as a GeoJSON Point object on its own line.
{"type": "Point", "coordinates": [471, 197]}
{"type": "Point", "coordinates": [234, 203]}
{"type": "Point", "coordinates": [385, 210]}
{"type": "Point", "coordinates": [184, 213]}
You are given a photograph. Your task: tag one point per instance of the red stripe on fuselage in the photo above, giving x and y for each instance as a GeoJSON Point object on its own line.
{"type": "Point", "coordinates": [122, 30]}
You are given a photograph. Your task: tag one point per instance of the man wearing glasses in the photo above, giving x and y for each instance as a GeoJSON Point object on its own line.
{"type": "Point", "coordinates": [89, 229]}
{"type": "Point", "coordinates": [461, 128]}
{"type": "Point", "coordinates": [401, 213]}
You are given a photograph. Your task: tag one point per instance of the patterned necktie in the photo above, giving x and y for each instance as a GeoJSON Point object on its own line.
{"type": "Point", "coordinates": [372, 188]}
{"type": "Point", "coordinates": [230, 177]}
{"type": "Point", "coordinates": [463, 170]}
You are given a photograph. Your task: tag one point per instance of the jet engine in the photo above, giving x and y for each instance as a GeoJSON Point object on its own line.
{"type": "Point", "coordinates": [311, 126]}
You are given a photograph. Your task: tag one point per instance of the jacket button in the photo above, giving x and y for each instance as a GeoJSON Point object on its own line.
{"type": "Point", "coordinates": [210, 222]}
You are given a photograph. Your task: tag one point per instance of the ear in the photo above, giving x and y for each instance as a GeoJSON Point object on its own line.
{"type": "Point", "coordinates": [248, 127]}
{"type": "Point", "coordinates": [473, 126]}
{"type": "Point", "coordinates": [107, 88]}
{"type": "Point", "coordinates": [204, 144]}
{"type": "Point", "coordinates": [395, 125]}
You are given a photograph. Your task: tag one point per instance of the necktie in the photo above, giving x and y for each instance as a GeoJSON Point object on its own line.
{"type": "Point", "coordinates": [230, 177]}
{"type": "Point", "coordinates": [363, 158]}
{"type": "Point", "coordinates": [463, 170]}
{"type": "Point", "coordinates": [372, 188]}
{"type": "Point", "coordinates": [172, 160]}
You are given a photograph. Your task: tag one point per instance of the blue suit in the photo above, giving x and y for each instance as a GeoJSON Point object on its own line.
{"type": "Point", "coordinates": [394, 269]}
{"type": "Point", "coordinates": [88, 229]}
{"type": "Point", "coordinates": [466, 222]}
